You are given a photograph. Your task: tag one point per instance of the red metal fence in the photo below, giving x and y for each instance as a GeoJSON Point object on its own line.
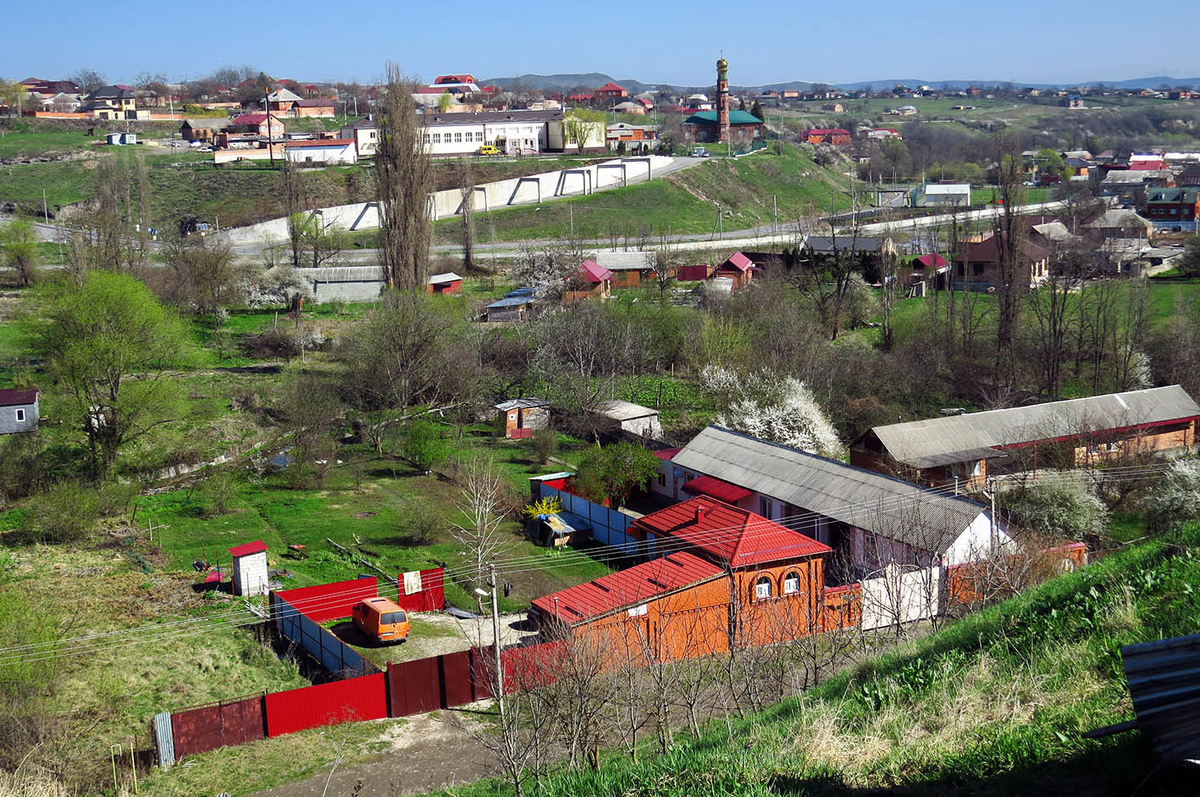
{"type": "Point", "coordinates": [432, 596]}
{"type": "Point", "coordinates": [352, 700]}
{"type": "Point", "coordinates": [209, 727]}
{"type": "Point", "coordinates": [330, 601]}
{"type": "Point", "coordinates": [445, 681]}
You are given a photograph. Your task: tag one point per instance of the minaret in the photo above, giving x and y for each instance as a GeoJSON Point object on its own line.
{"type": "Point", "coordinates": [723, 100]}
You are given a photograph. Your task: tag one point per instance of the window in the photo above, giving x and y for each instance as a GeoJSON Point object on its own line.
{"type": "Point", "coordinates": [764, 507]}
{"type": "Point", "coordinates": [391, 618]}
{"type": "Point", "coordinates": [437, 138]}
{"type": "Point", "coordinates": [762, 588]}
{"type": "Point", "coordinates": [468, 136]}
{"type": "Point", "coordinates": [20, 416]}
{"type": "Point", "coordinates": [458, 138]}
{"type": "Point", "coordinates": [977, 269]}
{"type": "Point", "coordinates": [960, 269]}
{"type": "Point", "coordinates": [426, 138]}
{"type": "Point", "coordinates": [372, 135]}
{"type": "Point", "coordinates": [662, 480]}
{"type": "Point", "coordinates": [791, 583]}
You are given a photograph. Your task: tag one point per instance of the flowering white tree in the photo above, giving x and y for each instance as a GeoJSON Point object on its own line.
{"type": "Point", "coordinates": [779, 409]}
{"type": "Point", "coordinates": [1176, 499]}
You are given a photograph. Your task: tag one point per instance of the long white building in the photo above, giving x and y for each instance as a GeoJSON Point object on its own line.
{"type": "Point", "coordinates": [511, 132]}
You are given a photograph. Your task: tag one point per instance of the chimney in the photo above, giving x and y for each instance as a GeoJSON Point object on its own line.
{"type": "Point", "coordinates": [701, 512]}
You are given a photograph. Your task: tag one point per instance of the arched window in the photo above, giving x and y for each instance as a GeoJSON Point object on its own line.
{"type": "Point", "coordinates": [762, 588]}
{"type": "Point", "coordinates": [791, 583]}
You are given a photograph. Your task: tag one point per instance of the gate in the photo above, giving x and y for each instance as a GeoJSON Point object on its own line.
{"type": "Point", "coordinates": [896, 596]}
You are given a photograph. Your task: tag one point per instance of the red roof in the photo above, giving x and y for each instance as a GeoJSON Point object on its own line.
{"type": "Point", "coordinates": [728, 534]}
{"type": "Point", "coordinates": [14, 396]}
{"type": "Point", "coordinates": [250, 119]}
{"type": "Point", "coordinates": [610, 87]}
{"type": "Point", "coordinates": [827, 131]}
{"type": "Point", "coordinates": [320, 142]}
{"type": "Point", "coordinates": [1146, 166]}
{"type": "Point", "coordinates": [627, 587]}
{"type": "Point", "coordinates": [593, 272]}
{"type": "Point", "coordinates": [738, 261]}
{"type": "Point", "coordinates": [247, 548]}
{"type": "Point", "coordinates": [667, 453]}
{"type": "Point", "coordinates": [716, 488]}
{"type": "Point", "coordinates": [931, 261]}
{"type": "Point", "coordinates": [454, 79]}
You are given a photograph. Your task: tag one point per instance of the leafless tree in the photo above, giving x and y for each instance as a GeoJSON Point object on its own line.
{"type": "Point", "coordinates": [404, 179]}
{"type": "Point", "coordinates": [1009, 238]}
{"type": "Point", "coordinates": [466, 188]}
{"type": "Point", "coordinates": [484, 503]}
{"type": "Point", "coordinates": [295, 202]}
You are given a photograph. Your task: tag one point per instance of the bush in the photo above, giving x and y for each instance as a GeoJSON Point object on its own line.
{"type": "Point", "coordinates": [1176, 499]}
{"type": "Point", "coordinates": [423, 445]}
{"type": "Point", "coordinates": [64, 513]}
{"type": "Point", "coordinates": [545, 443]}
{"type": "Point", "coordinates": [420, 522]}
{"type": "Point", "coordinates": [1068, 509]}
{"type": "Point", "coordinates": [217, 492]}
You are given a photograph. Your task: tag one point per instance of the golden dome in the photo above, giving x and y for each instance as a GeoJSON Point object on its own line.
{"type": "Point", "coordinates": [722, 63]}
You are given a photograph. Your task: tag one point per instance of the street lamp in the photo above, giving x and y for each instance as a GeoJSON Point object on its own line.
{"type": "Point", "coordinates": [495, 635]}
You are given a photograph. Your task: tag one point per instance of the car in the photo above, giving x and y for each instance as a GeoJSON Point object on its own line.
{"type": "Point", "coordinates": [489, 149]}
{"type": "Point", "coordinates": [699, 152]}
{"type": "Point", "coordinates": [381, 619]}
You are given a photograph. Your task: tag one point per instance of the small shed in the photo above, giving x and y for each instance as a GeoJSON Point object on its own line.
{"type": "Point", "coordinates": [120, 139]}
{"type": "Point", "coordinates": [18, 410]}
{"type": "Point", "coordinates": [249, 568]}
{"type": "Point", "coordinates": [523, 415]}
{"type": "Point", "coordinates": [630, 417]}
{"type": "Point", "coordinates": [513, 307]}
{"type": "Point", "coordinates": [596, 279]}
{"type": "Point", "coordinates": [738, 268]}
{"type": "Point", "coordinates": [694, 273]}
{"type": "Point", "coordinates": [445, 283]}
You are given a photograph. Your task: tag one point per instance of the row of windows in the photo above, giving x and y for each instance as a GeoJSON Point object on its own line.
{"type": "Point", "coordinates": [458, 138]}
{"type": "Point", "coordinates": [764, 587]}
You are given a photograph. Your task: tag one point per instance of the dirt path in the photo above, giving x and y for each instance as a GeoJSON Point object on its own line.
{"type": "Point", "coordinates": [427, 752]}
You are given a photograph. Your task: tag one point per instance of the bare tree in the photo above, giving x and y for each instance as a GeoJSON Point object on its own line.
{"type": "Point", "coordinates": [295, 202]}
{"type": "Point", "coordinates": [404, 179]}
{"type": "Point", "coordinates": [484, 504]}
{"type": "Point", "coordinates": [466, 188]}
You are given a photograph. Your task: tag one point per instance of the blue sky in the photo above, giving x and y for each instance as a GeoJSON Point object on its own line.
{"type": "Point", "coordinates": [771, 41]}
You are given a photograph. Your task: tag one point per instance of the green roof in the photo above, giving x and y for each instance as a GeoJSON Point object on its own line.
{"type": "Point", "coordinates": [710, 118]}
{"type": "Point", "coordinates": [1173, 195]}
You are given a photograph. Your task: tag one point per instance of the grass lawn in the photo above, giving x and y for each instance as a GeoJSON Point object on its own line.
{"type": "Point", "coordinates": [17, 144]}
{"type": "Point", "coordinates": [65, 182]}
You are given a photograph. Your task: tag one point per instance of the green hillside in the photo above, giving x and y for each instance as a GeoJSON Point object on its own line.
{"type": "Point", "coordinates": [994, 704]}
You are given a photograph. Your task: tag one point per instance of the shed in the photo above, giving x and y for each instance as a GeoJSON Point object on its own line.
{"type": "Point", "coordinates": [249, 568]}
{"type": "Point", "coordinates": [701, 271]}
{"type": "Point", "coordinates": [630, 417]}
{"type": "Point", "coordinates": [523, 415]}
{"type": "Point", "coordinates": [120, 139]}
{"type": "Point", "coordinates": [445, 283]}
{"type": "Point", "coordinates": [18, 410]}
{"type": "Point", "coordinates": [510, 308]}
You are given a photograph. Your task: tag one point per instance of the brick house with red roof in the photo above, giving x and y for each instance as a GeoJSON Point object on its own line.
{"type": "Point", "coordinates": [714, 575]}
{"type": "Point", "coordinates": [611, 91]}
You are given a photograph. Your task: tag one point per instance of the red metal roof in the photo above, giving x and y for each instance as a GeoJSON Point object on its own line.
{"type": "Point", "coordinates": [716, 488]}
{"type": "Point", "coordinates": [738, 261]}
{"type": "Point", "coordinates": [454, 79]}
{"type": "Point", "coordinates": [667, 453]}
{"type": "Point", "coordinates": [250, 119]}
{"type": "Point", "coordinates": [610, 87]}
{"type": "Point", "coordinates": [1146, 166]}
{"type": "Point", "coordinates": [248, 548]}
{"type": "Point", "coordinates": [931, 261]}
{"type": "Point", "coordinates": [729, 534]}
{"type": "Point", "coordinates": [14, 396]}
{"type": "Point", "coordinates": [593, 272]}
{"type": "Point", "coordinates": [826, 131]}
{"type": "Point", "coordinates": [627, 587]}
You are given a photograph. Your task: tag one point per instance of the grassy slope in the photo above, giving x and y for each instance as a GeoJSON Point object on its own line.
{"type": "Point", "coordinates": [994, 704]}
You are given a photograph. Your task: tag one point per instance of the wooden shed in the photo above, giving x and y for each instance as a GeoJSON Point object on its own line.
{"type": "Point", "coordinates": [249, 568]}
{"type": "Point", "coordinates": [448, 283]}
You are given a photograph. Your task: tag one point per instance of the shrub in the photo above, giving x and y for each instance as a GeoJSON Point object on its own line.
{"type": "Point", "coordinates": [1176, 499]}
{"type": "Point", "coordinates": [545, 443]}
{"type": "Point", "coordinates": [217, 492]}
{"type": "Point", "coordinates": [1067, 509]}
{"type": "Point", "coordinates": [64, 513]}
{"type": "Point", "coordinates": [420, 522]}
{"type": "Point", "coordinates": [423, 445]}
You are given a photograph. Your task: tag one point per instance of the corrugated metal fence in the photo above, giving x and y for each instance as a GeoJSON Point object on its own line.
{"type": "Point", "coordinates": [334, 654]}
{"type": "Point", "coordinates": [608, 525]}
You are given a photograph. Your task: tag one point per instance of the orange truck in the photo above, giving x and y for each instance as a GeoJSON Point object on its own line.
{"type": "Point", "coordinates": [381, 619]}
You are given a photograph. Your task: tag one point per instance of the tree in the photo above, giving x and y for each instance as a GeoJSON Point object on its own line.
{"type": "Point", "coordinates": [88, 80]}
{"type": "Point", "coordinates": [1176, 499]}
{"type": "Point", "coordinates": [423, 444]}
{"type": "Point", "coordinates": [404, 179]}
{"type": "Point", "coordinates": [97, 333]}
{"type": "Point", "coordinates": [1189, 264]}
{"type": "Point", "coordinates": [615, 472]}
{"type": "Point", "coordinates": [1009, 232]}
{"type": "Point", "coordinates": [484, 505]}
{"type": "Point", "coordinates": [581, 126]}
{"type": "Point", "coordinates": [204, 277]}
{"type": "Point", "coordinates": [1058, 509]}
{"type": "Point", "coordinates": [757, 112]}
{"type": "Point", "coordinates": [295, 202]}
{"type": "Point", "coordinates": [466, 190]}
{"type": "Point", "coordinates": [1050, 163]}
{"type": "Point", "coordinates": [19, 250]}
{"type": "Point", "coordinates": [780, 409]}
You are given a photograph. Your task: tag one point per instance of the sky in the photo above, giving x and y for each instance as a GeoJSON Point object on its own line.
{"type": "Point", "coordinates": [1023, 41]}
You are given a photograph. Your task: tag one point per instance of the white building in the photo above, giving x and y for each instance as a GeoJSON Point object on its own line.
{"type": "Point", "coordinates": [956, 195]}
{"type": "Point", "coordinates": [632, 418]}
{"type": "Point", "coordinates": [365, 135]}
{"type": "Point", "coordinates": [249, 568]}
{"type": "Point", "coordinates": [325, 150]}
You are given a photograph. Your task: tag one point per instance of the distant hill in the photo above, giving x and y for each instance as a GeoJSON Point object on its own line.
{"type": "Point", "coordinates": [564, 81]}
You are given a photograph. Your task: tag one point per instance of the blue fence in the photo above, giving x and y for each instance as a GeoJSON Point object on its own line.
{"type": "Point", "coordinates": [335, 655]}
{"type": "Point", "coordinates": [608, 525]}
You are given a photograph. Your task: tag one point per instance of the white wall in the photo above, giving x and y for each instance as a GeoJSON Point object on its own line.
{"type": "Point", "coordinates": [975, 542]}
{"type": "Point", "coordinates": [339, 154]}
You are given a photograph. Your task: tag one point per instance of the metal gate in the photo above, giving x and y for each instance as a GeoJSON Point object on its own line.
{"type": "Point", "coordinates": [895, 596]}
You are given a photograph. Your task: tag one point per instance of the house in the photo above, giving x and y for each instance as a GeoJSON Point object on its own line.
{"type": "Point", "coordinates": [522, 416]}
{"type": "Point", "coordinates": [700, 271]}
{"type": "Point", "coordinates": [978, 266]}
{"type": "Point", "coordinates": [905, 110]}
{"type": "Point", "coordinates": [259, 124]}
{"type": "Point", "coordinates": [1072, 433]}
{"type": "Point", "coordinates": [202, 129]}
{"type": "Point", "coordinates": [515, 306]}
{"type": "Point", "coordinates": [1129, 186]}
{"type": "Point", "coordinates": [634, 137]}
{"type": "Point", "coordinates": [738, 268]}
{"type": "Point", "coordinates": [281, 101]}
{"type": "Point", "coordinates": [365, 135]}
{"type": "Point", "coordinates": [716, 575]}
{"type": "Point", "coordinates": [610, 92]}
{"type": "Point", "coordinates": [629, 269]}
{"type": "Point", "coordinates": [630, 107]}
{"type": "Point", "coordinates": [833, 107]}
{"type": "Point", "coordinates": [250, 568]}
{"type": "Point", "coordinates": [1072, 101]}
{"type": "Point", "coordinates": [867, 518]}
{"type": "Point", "coordinates": [949, 195]}
{"type": "Point", "coordinates": [19, 411]}
{"type": "Point", "coordinates": [1120, 223]}
{"type": "Point", "coordinates": [867, 251]}
{"type": "Point", "coordinates": [1173, 208]}
{"type": "Point", "coordinates": [927, 271]}
{"type": "Point", "coordinates": [883, 133]}
{"type": "Point", "coordinates": [825, 135]}
{"type": "Point", "coordinates": [512, 132]}
{"type": "Point", "coordinates": [590, 280]}
{"type": "Point", "coordinates": [111, 102]}
{"type": "Point", "coordinates": [322, 150]}
{"type": "Point", "coordinates": [618, 415]}
{"type": "Point", "coordinates": [448, 283]}
{"type": "Point", "coordinates": [703, 127]}
{"type": "Point", "coordinates": [314, 108]}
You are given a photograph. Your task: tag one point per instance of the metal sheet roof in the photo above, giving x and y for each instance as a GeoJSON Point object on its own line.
{"type": "Point", "coordinates": [522, 403]}
{"type": "Point", "coordinates": [620, 410]}
{"type": "Point", "coordinates": [716, 488]}
{"type": "Point", "coordinates": [916, 442]}
{"type": "Point", "coordinates": [1164, 682]}
{"type": "Point", "coordinates": [891, 507]}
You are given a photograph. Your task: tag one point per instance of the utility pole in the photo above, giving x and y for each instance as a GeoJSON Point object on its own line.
{"type": "Point", "coordinates": [496, 642]}
{"type": "Point", "coordinates": [571, 208]}
{"type": "Point", "coordinates": [267, 108]}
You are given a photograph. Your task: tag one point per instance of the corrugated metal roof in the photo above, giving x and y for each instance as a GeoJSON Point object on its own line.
{"type": "Point", "coordinates": [511, 301]}
{"type": "Point", "coordinates": [449, 276]}
{"type": "Point", "coordinates": [728, 534]}
{"type": "Point", "coordinates": [867, 500]}
{"type": "Point", "coordinates": [915, 442]}
{"type": "Point", "coordinates": [620, 410]}
{"type": "Point", "coordinates": [629, 587]}
{"type": "Point", "coordinates": [739, 261]}
{"type": "Point", "coordinates": [716, 488]}
{"type": "Point", "coordinates": [522, 403]}
{"type": "Point", "coordinates": [1164, 682]}
{"type": "Point", "coordinates": [593, 272]}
